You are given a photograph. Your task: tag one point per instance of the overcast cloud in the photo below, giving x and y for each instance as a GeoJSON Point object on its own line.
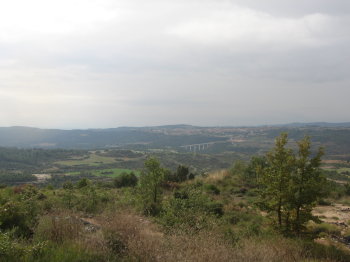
{"type": "Point", "coordinates": [109, 63]}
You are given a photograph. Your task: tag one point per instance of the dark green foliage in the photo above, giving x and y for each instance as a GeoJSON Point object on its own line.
{"type": "Point", "coordinates": [68, 196]}
{"type": "Point", "coordinates": [215, 208]}
{"type": "Point", "coordinates": [123, 153]}
{"type": "Point", "coordinates": [334, 190]}
{"type": "Point", "coordinates": [334, 175]}
{"type": "Point", "coordinates": [19, 210]}
{"type": "Point", "coordinates": [12, 250]}
{"type": "Point", "coordinates": [50, 187]}
{"type": "Point", "coordinates": [14, 158]}
{"type": "Point", "coordinates": [347, 189]}
{"type": "Point", "coordinates": [83, 183]}
{"type": "Point", "coordinates": [9, 250]}
{"type": "Point", "coordinates": [11, 178]}
{"type": "Point", "coordinates": [182, 174]}
{"type": "Point", "coordinates": [251, 173]}
{"type": "Point", "coordinates": [238, 169]}
{"type": "Point", "coordinates": [115, 243]}
{"type": "Point", "coordinates": [291, 184]}
{"type": "Point", "coordinates": [212, 189]}
{"type": "Point", "coordinates": [68, 185]}
{"type": "Point", "coordinates": [88, 200]}
{"type": "Point", "coordinates": [125, 180]}
{"type": "Point", "coordinates": [307, 183]}
{"type": "Point", "coordinates": [329, 229]}
{"type": "Point", "coordinates": [189, 209]}
{"type": "Point", "coordinates": [64, 253]}
{"type": "Point", "coordinates": [151, 180]}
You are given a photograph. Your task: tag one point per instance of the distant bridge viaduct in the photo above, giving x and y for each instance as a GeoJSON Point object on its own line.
{"type": "Point", "coordinates": [203, 146]}
{"type": "Point", "coordinates": [198, 147]}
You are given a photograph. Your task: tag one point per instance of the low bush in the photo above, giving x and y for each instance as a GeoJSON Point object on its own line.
{"type": "Point", "coordinates": [212, 189]}
{"type": "Point", "coordinates": [190, 210]}
{"type": "Point", "coordinates": [329, 229]}
{"type": "Point", "coordinates": [18, 216]}
{"type": "Point", "coordinates": [14, 251]}
{"type": "Point", "coordinates": [68, 252]}
{"type": "Point", "coordinates": [84, 182]}
{"type": "Point", "coordinates": [9, 250]}
{"type": "Point", "coordinates": [125, 180]}
{"type": "Point", "coordinates": [58, 228]}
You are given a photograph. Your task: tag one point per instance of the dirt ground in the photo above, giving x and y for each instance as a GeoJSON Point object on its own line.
{"type": "Point", "coordinates": [42, 177]}
{"type": "Point", "coordinates": [336, 213]}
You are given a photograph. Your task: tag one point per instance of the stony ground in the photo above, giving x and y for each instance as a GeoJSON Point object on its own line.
{"type": "Point", "coordinates": [335, 214]}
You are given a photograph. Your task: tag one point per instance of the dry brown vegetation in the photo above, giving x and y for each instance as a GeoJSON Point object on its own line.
{"type": "Point", "coordinates": [132, 237]}
{"type": "Point", "coordinates": [216, 176]}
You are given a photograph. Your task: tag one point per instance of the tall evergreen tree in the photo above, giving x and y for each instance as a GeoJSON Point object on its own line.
{"type": "Point", "coordinates": [276, 179]}
{"type": "Point", "coordinates": [291, 183]}
{"type": "Point", "coordinates": [307, 183]}
{"type": "Point", "coordinates": [150, 185]}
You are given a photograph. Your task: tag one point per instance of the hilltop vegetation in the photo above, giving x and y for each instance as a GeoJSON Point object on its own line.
{"type": "Point", "coordinates": [257, 210]}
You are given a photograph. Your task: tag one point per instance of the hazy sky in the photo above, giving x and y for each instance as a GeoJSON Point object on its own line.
{"type": "Point", "coordinates": [109, 63]}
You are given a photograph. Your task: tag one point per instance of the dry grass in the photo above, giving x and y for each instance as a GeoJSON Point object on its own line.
{"type": "Point", "coordinates": [143, 241]}
{"type": "Point", "coordinates": [334, 213]}
{"type": "Point", "coordinates": [216, 176]}
{"type": "Point", "coordinates": [59, 227]}
{"type": "Point", "coordinates": [127, 236]}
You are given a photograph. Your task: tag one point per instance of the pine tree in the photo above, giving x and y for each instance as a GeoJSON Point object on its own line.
{"type": "Point", "coordinates": [308, 183]}
{"type": "Point", "coordinates": [276, 180]}
{"type": "Point", "coordinates": [150, 186]}
{"type": "Point", "coordinates": [291, 184]}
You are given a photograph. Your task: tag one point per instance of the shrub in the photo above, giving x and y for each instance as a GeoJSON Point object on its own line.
{"type": "Point", "coordinates": [316, 229]}
{"type": "Point", "coordinates": [68, 252]}
{"type": "Point", "coordinates": [215, 208]}
{"type": "Point", "coordinates": [347, 189]}
{"type": "Point", "coordinates": [151, 179]}
{"type": "Point", "coordinates": [191, 176]}
{"type": "Point", "coordinates": [89, 201]}
{"type": "Point", "coordinates": [83, 183]}
{"type": "Point", "coordinates": [9, 250]}
{"type": "Point", "coordinates": [58, 228]}
{"type": "Point", "coordinates": [190, 210]}
{"type": "Point", "coordinates": [115, 242]}
{"type": "Point", "coordinates": [210, 188]}
{"type": "Point", "coordinates": [68, 185]}
{"type": "Point", "coordinates": [125, 180]}
{"type": "Point", "coordinates": [324, 202]}
{"type": "Point", "coordinates": [17, 216]}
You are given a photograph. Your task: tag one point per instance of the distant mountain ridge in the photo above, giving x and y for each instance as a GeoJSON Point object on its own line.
{"type": "Point", "coordinates": [168, 136]}
{"type": "Point", "coordinates": [27, 137]}
{"type": "Point", "coordinates": [316, 124]}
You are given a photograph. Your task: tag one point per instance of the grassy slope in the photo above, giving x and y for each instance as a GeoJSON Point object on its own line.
{"type": "Point", "coordinates": [91, 160]}
{"type": "Point", "coordinates": [111, 172]}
